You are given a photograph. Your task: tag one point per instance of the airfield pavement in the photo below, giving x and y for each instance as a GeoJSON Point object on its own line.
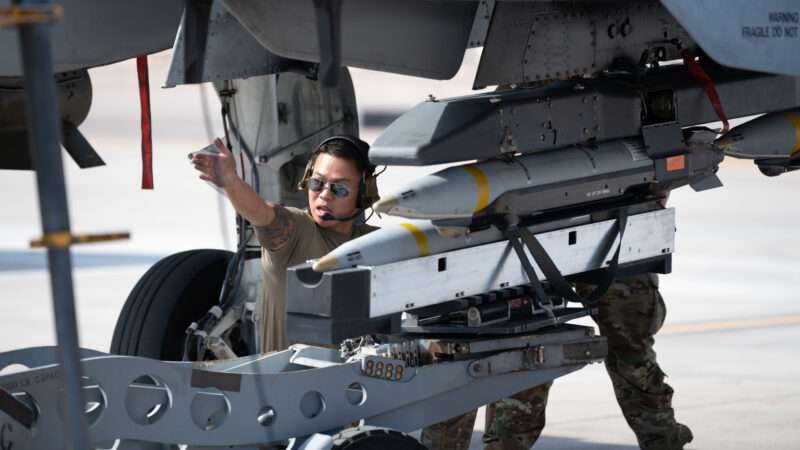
{"type": "Point", "coordinates": [729, 346]}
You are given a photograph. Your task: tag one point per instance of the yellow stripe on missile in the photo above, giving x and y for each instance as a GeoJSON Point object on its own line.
{"type": "Point", "coordinates": [419, 236]}
{"type": "Point", "coordinates": [482, 183]}
{"type": "Point", "coordinates": [795, 119]}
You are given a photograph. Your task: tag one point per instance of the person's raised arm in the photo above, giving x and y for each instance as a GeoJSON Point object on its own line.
{"type": "Point", "coordinates": [220, 169]}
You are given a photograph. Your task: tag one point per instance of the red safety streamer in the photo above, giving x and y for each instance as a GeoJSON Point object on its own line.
{"type": "Point", "coordinates": [708, 85]}
{"type": "Point", "coordinates": [147, 136]}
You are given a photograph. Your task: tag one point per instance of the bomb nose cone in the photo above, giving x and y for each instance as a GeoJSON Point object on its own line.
{"type": "Point", "coordinates": [327, 262]}
{"type": "Point", "coordinates": [773, 135]}
{"type": "Point", "coordinates": [385, 204]}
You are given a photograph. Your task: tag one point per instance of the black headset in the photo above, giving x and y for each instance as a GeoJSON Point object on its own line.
{"type": "Point", "coordinates": [367, 187]}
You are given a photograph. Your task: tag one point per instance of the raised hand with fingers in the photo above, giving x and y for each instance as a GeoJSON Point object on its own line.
{"type": "Point", "coordinates": [218, 168]}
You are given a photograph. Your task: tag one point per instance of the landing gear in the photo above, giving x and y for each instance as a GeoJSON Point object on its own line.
{"type": "Point", "coordinates": [374, 438]}
{"type": "Point", "coordinates": [174, 292]}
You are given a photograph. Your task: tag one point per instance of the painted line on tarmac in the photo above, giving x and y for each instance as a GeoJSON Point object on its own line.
{"type": "Point", "coordinates": [728, 325]}
{"type": "Point", "coordinates": [36, 260]}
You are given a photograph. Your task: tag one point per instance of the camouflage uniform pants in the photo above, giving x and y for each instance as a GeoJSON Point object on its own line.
{"type": "Point", "coordinates": [628, 316]}
{"type": "Point", "coordinates": [512, 423]}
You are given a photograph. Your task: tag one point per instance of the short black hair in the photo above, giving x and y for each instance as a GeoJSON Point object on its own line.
{"type": "Point", "coordinates": [345, 149]}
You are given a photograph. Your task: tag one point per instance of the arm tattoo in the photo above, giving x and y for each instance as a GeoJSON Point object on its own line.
{"type": "Point", "coordinates": [280, 230]}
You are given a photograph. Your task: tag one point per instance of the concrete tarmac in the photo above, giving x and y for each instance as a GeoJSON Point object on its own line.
{"type": "Point", "coordinates": [728, 345]}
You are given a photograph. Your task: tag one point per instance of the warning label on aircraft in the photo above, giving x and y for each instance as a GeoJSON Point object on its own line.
{"type": "Point", "coordinates": [782, 25]}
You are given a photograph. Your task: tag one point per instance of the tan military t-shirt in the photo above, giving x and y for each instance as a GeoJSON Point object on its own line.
{"type": "Point", "coordinates": [309, 241]}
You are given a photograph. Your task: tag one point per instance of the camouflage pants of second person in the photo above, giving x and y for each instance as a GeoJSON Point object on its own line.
{"type": "Point", "coordinates": [629, 315]}
{"type": "Point", "coordinates": [511, 423]}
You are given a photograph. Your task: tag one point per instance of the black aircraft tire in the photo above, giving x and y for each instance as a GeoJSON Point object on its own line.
{"type": "Point", "coordinates": [174, 292]}
{"type": "Point", "coordinates": [374, 438]}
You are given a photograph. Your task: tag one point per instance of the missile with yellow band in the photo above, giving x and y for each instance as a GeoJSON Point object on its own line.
{"type": "Point", "coordinates": [547, 180]}
{"type": "Point", "coordinates": [771, 136]}
{"type": "Point", "coordinates": [460, 192]}
{"type": "Point", "coordinates": [392, 243]}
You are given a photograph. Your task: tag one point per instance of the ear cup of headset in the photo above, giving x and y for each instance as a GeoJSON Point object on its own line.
{"type": "Point", "coordinates": [370, 193]}
{"type": "Point", "coordinates": [303, 184]}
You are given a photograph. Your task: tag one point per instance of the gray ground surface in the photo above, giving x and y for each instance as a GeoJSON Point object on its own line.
{"type": "Point", "coordinates": [729, 344]}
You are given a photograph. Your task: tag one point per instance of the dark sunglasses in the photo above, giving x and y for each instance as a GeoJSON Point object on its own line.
{"type": "Point", "coordinates": [337, 189]}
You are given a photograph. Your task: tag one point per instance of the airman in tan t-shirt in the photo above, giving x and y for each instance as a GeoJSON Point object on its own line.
{"type": "Point", "coordinates": [309, 241]}
{"type": "Point", "coordinates": [336, 180]}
